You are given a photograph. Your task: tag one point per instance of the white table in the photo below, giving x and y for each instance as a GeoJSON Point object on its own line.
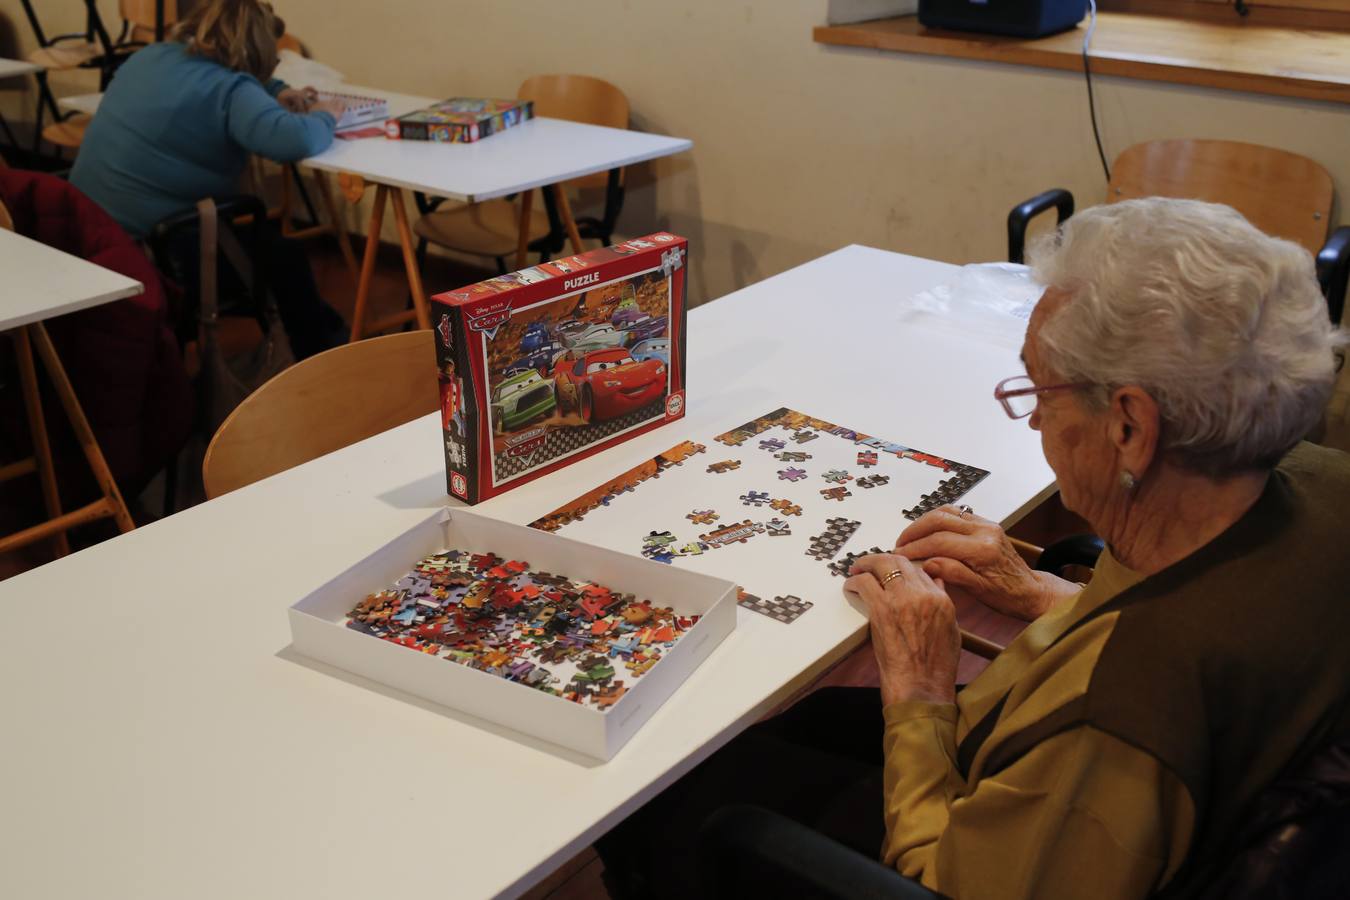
{"type": "Point", "coordinates": [81, 103]}
{"type": "Point", "coordinates": [41, 282]}
{"type": "Point", "coordinates": [159, 727]}
{"type": "Point", "coordinates": [13, 68]}
{"type": "Point", "coordinates": [541, 153]}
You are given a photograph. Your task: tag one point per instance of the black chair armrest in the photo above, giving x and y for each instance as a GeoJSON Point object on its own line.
{"type": "Point", "coordinates": [1021, 215]}
{"type": "Point", "coordinates": [747, 851]}
{"type": "Point", "coordinates": [231, 207]}
{"type": "Point", "coordinates": [1333, 270]}
{"type": "Point", "coordinates": [1075, 550]}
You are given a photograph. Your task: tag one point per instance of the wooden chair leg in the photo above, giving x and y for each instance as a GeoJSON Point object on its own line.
{"type": "Point", "coordinates": [523, 232]}
{"type": "Point", "coordinates": [419, 295]}
{"type": "Point", "coordinates": [565, 212]}
{"type": "Point", "coordinates": [37, 427]}
{"type": "Point", "coordinates": [83, 433]}
{"type": "Point", "coordinates": [368, 262]}
{"type": "Point", "coordinates": [339, 229]}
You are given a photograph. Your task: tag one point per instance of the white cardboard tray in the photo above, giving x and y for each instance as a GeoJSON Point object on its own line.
{"type": "Point", "coordinates": [317, 630]}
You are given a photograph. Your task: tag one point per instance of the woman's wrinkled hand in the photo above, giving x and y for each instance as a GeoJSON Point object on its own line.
{"type": "Point", "coordinates": [974, 555]}
{"type": "Point", "coordinates": [914, 633]}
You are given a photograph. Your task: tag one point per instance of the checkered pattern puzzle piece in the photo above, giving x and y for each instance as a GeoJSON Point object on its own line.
{"type": "Point", "coordinates": [836, 534]}
{"type": "Point", "coordinates": [841, 565]}
{"type": "Point", "coordinates": [871, 481]}
{"type": "Point", "coordinates": [786, 609]}
{"type": "Point", "coordinates": [778, 528]}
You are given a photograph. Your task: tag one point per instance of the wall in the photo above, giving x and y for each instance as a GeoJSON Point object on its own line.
{"type": "Point", "coordinates": [800, 148]}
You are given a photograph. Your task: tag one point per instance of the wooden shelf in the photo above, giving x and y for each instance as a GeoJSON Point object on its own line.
{"type": "Point", "coordinates": [1313, 65]}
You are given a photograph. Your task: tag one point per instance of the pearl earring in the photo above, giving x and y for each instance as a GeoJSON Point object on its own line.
{"type": "Point", "coordinates": [1127, 481]}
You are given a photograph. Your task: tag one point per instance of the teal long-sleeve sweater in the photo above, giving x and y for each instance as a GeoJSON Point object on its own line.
{"type": "Point", "coordinates": [174, 128]}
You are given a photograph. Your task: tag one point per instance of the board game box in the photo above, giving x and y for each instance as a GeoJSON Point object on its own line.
{"type": "Point", "coordinates": [546, 366]}
{"type": "Point", "coordinates": [460, 120]}
{"type": "Point", "coordinates": [571, 644]}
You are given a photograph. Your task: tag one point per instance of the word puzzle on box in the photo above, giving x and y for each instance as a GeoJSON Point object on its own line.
{"type": "Point", "coordinates": [826, 489]}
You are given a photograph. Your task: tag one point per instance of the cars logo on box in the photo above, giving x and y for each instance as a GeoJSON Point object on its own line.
{"type": "Point", "coordinates": [489, 318]}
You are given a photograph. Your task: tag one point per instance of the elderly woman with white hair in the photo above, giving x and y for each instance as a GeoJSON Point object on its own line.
{"type": "Point", "coordinates": [1173, 366]}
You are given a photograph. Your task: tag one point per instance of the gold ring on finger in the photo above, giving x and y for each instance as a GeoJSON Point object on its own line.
{"type": "Point", "coordinates": [889, 576]}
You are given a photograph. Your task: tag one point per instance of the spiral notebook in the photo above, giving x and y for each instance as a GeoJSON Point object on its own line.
{"type": "Point", "coordinates": [357, 110]}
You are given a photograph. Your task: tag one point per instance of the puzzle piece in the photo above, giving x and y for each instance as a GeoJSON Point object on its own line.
{"type": "Point", "coordinates": [867, 458]}
{"type": "Point", "coordinates": [771, 444]}
{"type": "Point", "coordinates": [844, 563]}
{"type": "Point", "coordinates": [791, 474]}
{"type": "Point", "coordinates": [725, 465]}
{"type": "Point", "coordinates": [658, 539]}
{"type": "Point", "coordinates": [786, 609]}
{"type": "Point", "coordinates": [836, 493]}
{"type": "Point", "coordinates": [703, 517]}
{"type": "Point", "coordinates": [792, 456]}
{"type": "Point", "coordinates": [755, 498]}
{"type": "Point", "coordinates": [871, 481]}
{"type": "Point", "coordinates": [786, 507]}
{"type": "Point", "coordinates": [731, 534]}
{"type": "Point", "coordinates": [837, 476]}
{"type": "Point", "coordinates": [837, 532]}
{"type": "Point", "coordinates": [802, 437]}
{"type": "Point", "coordinates": [778, 528]}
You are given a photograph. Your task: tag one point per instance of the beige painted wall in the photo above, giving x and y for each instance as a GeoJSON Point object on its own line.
{"type": "Point", "coordinates": [799, 148]}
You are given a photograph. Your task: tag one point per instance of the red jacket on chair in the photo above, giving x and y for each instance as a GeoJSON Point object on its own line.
{"type": "Point", "coordinates": [122, 357]}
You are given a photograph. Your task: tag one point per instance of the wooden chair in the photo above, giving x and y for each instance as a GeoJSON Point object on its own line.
{"type": "Point", "coordinates": [1281, 193]}
{"type": "Point", "coordinates": [492, 228]}
{"type": "Point", "coordinates": [323, 404]}
{"type": "Point", "coordinates": [95, 48]}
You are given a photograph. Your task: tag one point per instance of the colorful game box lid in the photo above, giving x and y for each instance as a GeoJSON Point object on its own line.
{"type": "Point", "coordinates": [545, 366]}
{"type": "Point", "coordinates": [460, 120]}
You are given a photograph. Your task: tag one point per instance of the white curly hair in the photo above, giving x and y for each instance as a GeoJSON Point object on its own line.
{"type": "Point", "coordinates": [1224, 326]}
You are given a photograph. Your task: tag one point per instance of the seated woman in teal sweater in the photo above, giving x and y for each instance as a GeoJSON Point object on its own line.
{"type": "Point", "coordinates": [179, 122]}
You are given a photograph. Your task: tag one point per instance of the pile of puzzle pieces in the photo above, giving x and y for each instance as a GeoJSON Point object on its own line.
{"type": "Point", "coordinates": [499, 617]}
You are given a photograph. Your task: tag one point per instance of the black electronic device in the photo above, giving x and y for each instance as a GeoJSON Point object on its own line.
{"type": "Point", "coordinates": [1023, 18]}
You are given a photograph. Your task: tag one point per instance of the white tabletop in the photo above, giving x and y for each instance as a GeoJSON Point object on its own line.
{"type": "Point", "coordinates": [81, 103]}
{"type": "Point", "coordinates": [40, 282]}
{"type": "Point", "coordinates": [12, 68]}
{"type": "Point", "coordinates": [534, 154]}
{"type": "Point", "coordinates": [158, 726]}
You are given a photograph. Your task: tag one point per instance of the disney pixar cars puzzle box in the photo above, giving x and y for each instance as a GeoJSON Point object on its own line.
{"type": "Point", "coordinates": [545, 366]}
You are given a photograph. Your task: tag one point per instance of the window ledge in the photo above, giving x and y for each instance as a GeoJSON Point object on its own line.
{"type": "Point", "coordinates": [1288, 62]}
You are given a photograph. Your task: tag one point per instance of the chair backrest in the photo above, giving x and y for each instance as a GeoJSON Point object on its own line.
{"type": "Point", "coordinates": [1281, 193]}
{"type": "Point", "coordinates": [141, 14]}
{"type": "Point", "coordinates": [323, 404]}
{"type": "Point", "coordinates": [577, 98]}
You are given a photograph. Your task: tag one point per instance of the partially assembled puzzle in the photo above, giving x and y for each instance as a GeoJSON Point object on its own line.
{"type": "Point", "coordinates": [781, 498]}
{"type": "Point", "coordinates": [564, 637]}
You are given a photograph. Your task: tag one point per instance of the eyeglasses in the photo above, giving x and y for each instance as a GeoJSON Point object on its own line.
{"type": "Point", "coordinates": [1018, 394]}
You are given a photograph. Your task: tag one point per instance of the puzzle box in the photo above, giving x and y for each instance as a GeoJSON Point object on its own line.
{"type": "Point", "coordinates": [317, 630]}
{"type": "Point", "coordinates": [546, 366]}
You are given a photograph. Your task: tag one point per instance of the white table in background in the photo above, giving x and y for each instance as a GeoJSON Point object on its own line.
{"type": "Point", "coordinates": [81, 103]}
{"type": "Point", "coordinates": [39, 283]}
{"type": "Point", "coordinates": [160, 728]}
{"type": "Point", "coordinates": [540, 153]}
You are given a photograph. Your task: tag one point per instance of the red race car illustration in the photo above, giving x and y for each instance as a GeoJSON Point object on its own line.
{"type": "Point", "coordinates": [610, 383]}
